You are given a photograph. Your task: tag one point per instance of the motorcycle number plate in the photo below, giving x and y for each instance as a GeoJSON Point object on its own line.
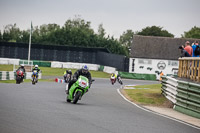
{"type": "Point", "coordinates": [83, 83]}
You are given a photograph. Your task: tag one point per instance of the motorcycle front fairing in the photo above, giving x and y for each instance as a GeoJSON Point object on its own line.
{"type": "Point", "coordinates": [81, 84]}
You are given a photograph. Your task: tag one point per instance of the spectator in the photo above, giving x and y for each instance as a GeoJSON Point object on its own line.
{"type": "Point", "coordinates": [196, 44]}
{"type": "Point", "coordinates": [184, 53]}
{"type": "Point", "coordinates": [161, 74]}
{"type": "Point", "coordinates": [188, 48]}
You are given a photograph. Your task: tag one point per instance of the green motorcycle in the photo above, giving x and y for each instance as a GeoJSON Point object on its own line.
{"type": "Point", "coordinates": [78, 89]}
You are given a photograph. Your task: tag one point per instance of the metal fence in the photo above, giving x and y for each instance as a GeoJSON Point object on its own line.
{"type": "Point", "coordinates": [64, 54]}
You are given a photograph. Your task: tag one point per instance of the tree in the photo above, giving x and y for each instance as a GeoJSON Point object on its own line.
{"type": "Point", "coordinates": [155, 31]}
{"type": "Point", "coordinates": [24, 36]}
{"type": "Point", "coordinates": [1, 37]}
{"type": "Point", "coordinates": [101, 31]}
{"type": "Point", "coordinates": [126, 38]}
{"type": "Point", "coordinates": [11, 33]}
{"type": "Point", "coordinates": [76, 32]}
{"type": "Point", "coordinates": [192, 33]}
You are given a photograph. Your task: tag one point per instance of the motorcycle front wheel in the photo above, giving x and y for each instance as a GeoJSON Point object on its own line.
{"type": "Point", "coordinates": [33, 81]}
{"type": "Point", "coordinates": [17, 80]}
{"type": "Point", "coordinates": [76, 97]}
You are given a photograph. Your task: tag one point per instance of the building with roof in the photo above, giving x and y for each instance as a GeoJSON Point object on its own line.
{"type": "Point", "coordinates": [151, 55]}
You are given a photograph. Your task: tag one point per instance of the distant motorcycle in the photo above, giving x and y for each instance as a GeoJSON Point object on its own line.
{"type": "Point", "coordinates": [34, 77]}
{"type": "Point", "coordinates": [120, 80]}
{"type": "Point", "coordinates": [112, 79]}
{"type": "Point", "coordinates": [67, 78]}
{"type": "Point", "coordinates": [19, 76]}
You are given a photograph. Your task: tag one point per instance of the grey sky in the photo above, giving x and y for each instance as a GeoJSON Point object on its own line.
{"type": "Point", "coordinates": [176, 16]}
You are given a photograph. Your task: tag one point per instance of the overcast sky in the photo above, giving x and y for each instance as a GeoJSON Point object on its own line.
{"type": "Point", "coordinates": [175, 16]}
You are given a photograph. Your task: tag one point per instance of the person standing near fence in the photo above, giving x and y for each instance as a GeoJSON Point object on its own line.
{"type": "Point", "coordinates": [196, 49]}
{"type": "Point", "coordinates": [188, 48]}
{"type": "Point", "coordinates": [161, 74]}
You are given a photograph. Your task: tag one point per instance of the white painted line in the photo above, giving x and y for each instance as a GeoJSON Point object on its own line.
{"type": "Point", "coordinates": [156, 112]}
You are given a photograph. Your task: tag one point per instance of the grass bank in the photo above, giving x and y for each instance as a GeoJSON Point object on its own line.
{"type": "Point", "coordinates": [147, 95]}
{"type": "Point", "coordinates": [48, 71]}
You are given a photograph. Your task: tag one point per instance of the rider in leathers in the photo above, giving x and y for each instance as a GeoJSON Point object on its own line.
{"type": "Point", "coordinates": [83, 72]}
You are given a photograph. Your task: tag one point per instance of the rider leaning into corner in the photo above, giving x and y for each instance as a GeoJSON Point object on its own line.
{"type": "Point", "coordinates": [83, 72]}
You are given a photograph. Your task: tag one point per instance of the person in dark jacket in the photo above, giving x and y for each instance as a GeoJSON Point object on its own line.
{"type": "Point", "coordinates": [184, 53]}
{"type": "Point", "coordinates": [65, 74]}
{"type": "Point", "coordinates": [22, 68]}
{"type": "Point", "coordinates": [83, 72]}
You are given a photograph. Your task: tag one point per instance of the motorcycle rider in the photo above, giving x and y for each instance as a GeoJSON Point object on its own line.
{"type": "Point", "coordinates": [37, 69]}
{"type": "Point", "coordinates": [22, 69]}
{"type": "Point", "coordinates": [83, 72]}
{"type": "Point", "coordinates": [117, 76]}
{"type": "Point", "coordinates": [67, 72]}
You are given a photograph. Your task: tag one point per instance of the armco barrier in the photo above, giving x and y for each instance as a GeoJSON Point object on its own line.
{"type": "Point", "coordinates": [10, 75]}
{"type": "Point", "coordinates": [71, 65]}
{"type": "Point", "coordinates": [8, 61]}
{"type": "Point", "coordinates": [137, 76]}
{"type": "Point", "coordinates": [184, 95]}
{"type": "Point", "coordinates": [56, 64]}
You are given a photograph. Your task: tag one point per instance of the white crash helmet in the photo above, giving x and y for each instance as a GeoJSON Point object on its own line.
{"type": "Point", "coordinates": [36, 66]}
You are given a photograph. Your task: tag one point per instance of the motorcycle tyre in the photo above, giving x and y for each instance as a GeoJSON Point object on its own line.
{"type": "Point", "coordinates": [76, 97]}
{"type": "Point", "coordinates": [33, 82]}
{"type": "Point", "coordinates": [121, 82]}
{"type": "Point", "coordinates": [18, 80]}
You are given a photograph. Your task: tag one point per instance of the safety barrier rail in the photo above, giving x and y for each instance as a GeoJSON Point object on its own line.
{"type": "Point", "coordinates": [56, 64]}
{"type": "Point", "coordinates": [189, 67]}
{"type": "Point", "coordinates": [184, 95]}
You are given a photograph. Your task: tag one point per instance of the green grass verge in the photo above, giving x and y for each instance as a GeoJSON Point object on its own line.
{"type": "Point", "coordinates": [7, 67]}
{"type": "Point", "coordinates": [48, 71]}
{"type": "Point", "coordinates": [151, 96]}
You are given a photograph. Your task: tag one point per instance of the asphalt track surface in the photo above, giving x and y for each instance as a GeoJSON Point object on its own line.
{"type": "Point", "coordinates": [42, 108]}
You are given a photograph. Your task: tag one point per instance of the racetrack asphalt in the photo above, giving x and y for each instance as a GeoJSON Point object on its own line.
{"type": "Point", "coordinates": [42, 108]}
